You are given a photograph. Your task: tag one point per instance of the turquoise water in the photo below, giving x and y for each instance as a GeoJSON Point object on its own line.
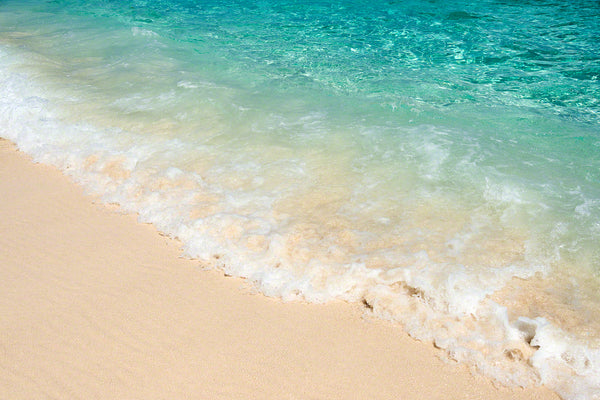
{"type": "Point", "coordinates": [438, 161]}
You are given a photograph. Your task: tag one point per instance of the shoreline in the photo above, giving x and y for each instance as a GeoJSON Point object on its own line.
{"type": "Point", "coordinates": [96, 304]}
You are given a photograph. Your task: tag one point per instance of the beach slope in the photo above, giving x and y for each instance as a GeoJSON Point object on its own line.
{"type": "Point", "coordinates": [96, 305]}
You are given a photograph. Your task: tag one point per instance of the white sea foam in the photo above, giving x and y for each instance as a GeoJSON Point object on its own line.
{"type": "Point", "coordinates": [143, 32]}
{"type": "Point", "coordinates": [296, 232]}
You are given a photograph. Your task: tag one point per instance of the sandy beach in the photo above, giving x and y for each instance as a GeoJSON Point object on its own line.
{"type": "Point", "coordinates": [95, 305]}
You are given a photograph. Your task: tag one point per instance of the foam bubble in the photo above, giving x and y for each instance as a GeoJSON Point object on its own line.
{"type": "Point", "coordinates": [143, 32]}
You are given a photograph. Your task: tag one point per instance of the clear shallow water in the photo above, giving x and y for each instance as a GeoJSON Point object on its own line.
{"type": "Point", "coordinates": [438, 161]}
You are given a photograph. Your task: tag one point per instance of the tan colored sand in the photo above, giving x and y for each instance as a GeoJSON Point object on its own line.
{"type": "Point", "coordinates": [94, 305]}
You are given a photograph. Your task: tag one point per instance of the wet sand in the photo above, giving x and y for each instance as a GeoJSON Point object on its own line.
{"type": "Point", "coordinates": [96, 305]}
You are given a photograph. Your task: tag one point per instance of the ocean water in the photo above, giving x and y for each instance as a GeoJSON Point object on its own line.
{"type": "Point", "coordinates": [438, 161]}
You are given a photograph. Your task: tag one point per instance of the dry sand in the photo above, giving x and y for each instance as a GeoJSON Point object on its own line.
{"type": "Point", "coordinates": [94, 305]}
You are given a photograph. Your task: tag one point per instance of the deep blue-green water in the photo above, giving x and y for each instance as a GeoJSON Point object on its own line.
{"type": "Point", "coordinates": [436, 160]}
